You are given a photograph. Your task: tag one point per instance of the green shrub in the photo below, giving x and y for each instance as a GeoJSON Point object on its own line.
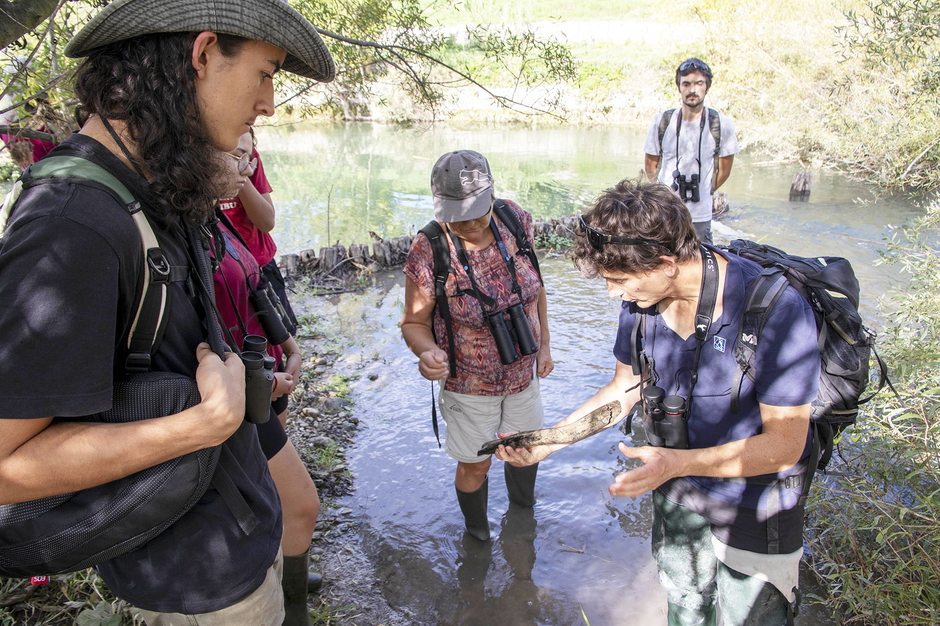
{"type": "Point", "coordinates": [874, 524]}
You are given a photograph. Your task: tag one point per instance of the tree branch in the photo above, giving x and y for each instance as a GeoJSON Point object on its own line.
{"type": "Point", "coordinates": [27, 133]}
{"type": "Point", "coordinates": [503, 101]}
{"type": "Point", "coordinates": [19, 17]}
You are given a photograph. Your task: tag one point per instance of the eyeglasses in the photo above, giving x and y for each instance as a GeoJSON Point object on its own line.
{"type": "Point", "coordinates": [245, 162]}
{"type": "Point", "coordinates": [694, 64]}
{"type": "Point", "coordinates": [598, 240]}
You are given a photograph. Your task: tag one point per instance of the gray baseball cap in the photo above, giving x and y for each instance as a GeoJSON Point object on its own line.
{"type": "Point", "coordinates": [462, 186]}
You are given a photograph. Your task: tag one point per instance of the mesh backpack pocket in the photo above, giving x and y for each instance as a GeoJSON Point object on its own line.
{"type": "Point", "coordinates": [74, 531]}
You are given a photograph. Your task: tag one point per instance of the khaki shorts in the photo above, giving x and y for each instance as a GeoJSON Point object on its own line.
{"type": "Point", "coordinates": [264, 607]}
{"type": "Point", "coordinates": [474, 420]}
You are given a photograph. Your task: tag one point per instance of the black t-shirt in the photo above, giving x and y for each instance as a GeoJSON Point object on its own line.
{"type": "Point", "coordinates": [70, 264]}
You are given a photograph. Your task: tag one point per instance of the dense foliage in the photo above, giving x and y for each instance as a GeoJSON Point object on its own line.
{"type": "Point", "coordinates": [874, 526]}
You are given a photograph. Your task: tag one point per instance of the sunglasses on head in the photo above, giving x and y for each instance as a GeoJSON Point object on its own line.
{"type": "Point", "coordinates": [694, 64]}
{"type": "Point", "coordinates": [598, 240]}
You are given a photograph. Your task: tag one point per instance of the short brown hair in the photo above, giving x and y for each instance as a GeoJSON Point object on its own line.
{"type": "Point", "coordinates": [648, 211]}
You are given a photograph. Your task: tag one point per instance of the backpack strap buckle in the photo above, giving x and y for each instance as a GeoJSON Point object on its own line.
{"type": "Point", "coordinates": [137, 362]}
{"type": "Point", "coordinates": [159, 266]}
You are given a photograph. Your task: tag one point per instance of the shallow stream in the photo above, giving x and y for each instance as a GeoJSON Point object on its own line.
{"type": "Point", "coordinates": [582, 555]}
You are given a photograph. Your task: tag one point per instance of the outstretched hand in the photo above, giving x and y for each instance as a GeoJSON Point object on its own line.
{"type": "Point", "coordinates": [521, 457]}
{"type": "Point", "coordinates": [658, 467]}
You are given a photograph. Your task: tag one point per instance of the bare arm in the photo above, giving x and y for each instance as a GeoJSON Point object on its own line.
{"type": "Point", "coordinates": [724, 170]}
{"type": "Point", "coordinates": [544, 356]}
{"type": "Point", "coordinates": [258, 206]}
{"type": "Point", "coordinates": [777, 448]}
{"type": "Point", "coordinates": [651, 165]}
{"type": "Point", "coordinates": [417, 330]}
{"type": "Point", "coordinates": [39, 458]}
{"type": "Point", "coordinates": [623, 379]}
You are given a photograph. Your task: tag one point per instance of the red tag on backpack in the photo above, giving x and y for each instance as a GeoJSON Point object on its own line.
{"type": "Point", "coordinates": [39, 580]}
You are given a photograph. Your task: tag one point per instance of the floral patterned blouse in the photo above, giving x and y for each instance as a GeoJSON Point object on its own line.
{"type": "Point", "coordinates": [479, 370]}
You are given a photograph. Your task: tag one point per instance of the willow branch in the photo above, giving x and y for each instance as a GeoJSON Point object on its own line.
{"type": "Point", "coordinates": [508, 103]}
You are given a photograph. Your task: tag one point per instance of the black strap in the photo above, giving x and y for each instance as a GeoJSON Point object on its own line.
{"type": "Point", "coordinates": [437, 432]}
{"type": "Point", "coordinates": [705, 312]}
{"type": "Point", "coordinates": [523, 245]}
{"type": "Point", "coordinates": [121, 145]}
{"type": "Point", "coordinates": [199, 245]}
{"type": "Point", "coordinates": [701, 130]}
{"type": "Point", "coordinates": [440, 249]}
{"type": "Point", "coordinates": [233, 498]}
{"type": "Point", "coordinates": [762, 296]}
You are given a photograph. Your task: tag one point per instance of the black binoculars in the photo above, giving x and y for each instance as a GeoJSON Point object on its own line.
{"type": "Point", "coordinates": [687, 189]}
{"type": "Point", "coordinates": [259, 379]}
{"type": "Point", "coordinates": [665, 418]}
{"type": "Point", "coordinates": [507, 338]}
{"type": "Point", "coordinates": [271, 312]}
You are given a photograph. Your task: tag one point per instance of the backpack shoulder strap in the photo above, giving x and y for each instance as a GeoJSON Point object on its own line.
{"type": "Point", "coordinates": [637, 341]}
{"type": "Point", "coordinates": [762, 295]}
{"type": "Point", "coordinates": [441, 250]}
{"type": "Point", "coordinates": [507, 217]}
{"type": "Point", "coordinates": [151, 303]}
{"type": "Point", "coordinates": [714, 127]}
{"type": "Point", "coordinates": [663, 125]}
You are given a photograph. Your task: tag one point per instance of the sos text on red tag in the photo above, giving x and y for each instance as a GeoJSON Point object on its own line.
{"type": "Point", "coordinates": [39, 580]}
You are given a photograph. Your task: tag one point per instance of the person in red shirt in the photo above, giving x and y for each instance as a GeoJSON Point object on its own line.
{"type": "Point", "coordinates": [239, 273]}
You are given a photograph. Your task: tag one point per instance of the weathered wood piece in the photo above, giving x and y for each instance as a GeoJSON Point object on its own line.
{"type": "Point", "coordinates": [800, 187]}
{"type": "Point", "coordinates": [382, 253]}
{"type": "Point", "coordinates": [290, 263]}
{"type": "Point", "coordinates": [592, 423]}
{"type": "Point", "coordinates": [719, 204]}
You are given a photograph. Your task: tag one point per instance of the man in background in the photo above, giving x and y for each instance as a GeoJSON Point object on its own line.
{"type": "Point", "coordinates": [695, 148]}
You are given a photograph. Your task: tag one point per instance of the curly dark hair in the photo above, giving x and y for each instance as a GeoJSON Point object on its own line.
{"type": "Point", "coordinates": [148, 82]}
{"type": "Point", "coordinates": [648, 211]}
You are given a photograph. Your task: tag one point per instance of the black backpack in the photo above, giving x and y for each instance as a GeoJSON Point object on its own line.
{"type": "Point", "coordinates": [845, 344]}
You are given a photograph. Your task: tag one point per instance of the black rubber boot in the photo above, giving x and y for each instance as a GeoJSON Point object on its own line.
{"type": "Point", "coordinates": [520, 483]}
{"type": "Point", "coordinates": [314, 582]}
{"type": "Point", "coordinates": [294, 584]}
{"type": "Point", "coordinates": [473, 507]}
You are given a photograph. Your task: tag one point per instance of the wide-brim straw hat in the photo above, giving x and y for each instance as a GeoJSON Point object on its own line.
{"type": "Point", "coordinates": [271, 21]}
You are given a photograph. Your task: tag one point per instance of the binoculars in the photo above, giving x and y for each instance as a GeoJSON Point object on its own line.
{"type": "Point", "coordinates": [687, 189]}
{"type": "Point", "coordinates": [665, 418]}
{"type": "Point", "coordinates": [271, 313]}
{"type": "Point", "coordinates": [507, 338]}
{"type": "Point", "coordinates": [259, 379]}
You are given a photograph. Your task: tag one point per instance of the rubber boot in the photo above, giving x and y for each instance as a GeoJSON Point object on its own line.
{"type": "Point", "coordinates": [473, 507]}
{"type": "Point", "coordinates": [294, 585]}
{"type": "Point", "coordinates": [314, 582]}
{"type": "Point", "coordinates": [520, 483]}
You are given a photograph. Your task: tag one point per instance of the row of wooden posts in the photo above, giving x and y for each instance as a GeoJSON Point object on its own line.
{"type": "Point", "coordinates": [335, 262]}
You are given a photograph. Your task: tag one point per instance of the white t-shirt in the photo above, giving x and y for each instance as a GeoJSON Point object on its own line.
{"type": "Point", "coordinates": [10, 117]}
{"type": "Point", "coordinates": [689, 150]}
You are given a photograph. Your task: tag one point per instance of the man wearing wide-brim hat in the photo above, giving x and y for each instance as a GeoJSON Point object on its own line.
{"type": "Point", "coordinates": [166, 84]}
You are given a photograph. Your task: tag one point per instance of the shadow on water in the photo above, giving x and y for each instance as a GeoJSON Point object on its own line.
{"type": "Point", "coordinates": [581, 549]}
